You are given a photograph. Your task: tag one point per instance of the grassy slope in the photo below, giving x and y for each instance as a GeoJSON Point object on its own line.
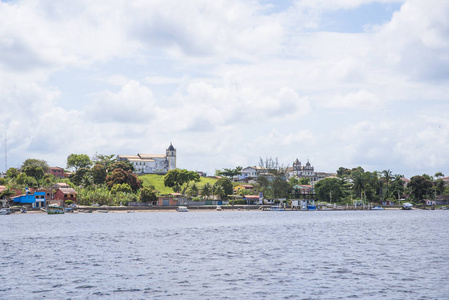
{"type": "Point", "coordinates": [158, 182]}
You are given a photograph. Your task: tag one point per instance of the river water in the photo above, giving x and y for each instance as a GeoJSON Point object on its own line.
{"type": "Point", "coordinates": [226, 255]}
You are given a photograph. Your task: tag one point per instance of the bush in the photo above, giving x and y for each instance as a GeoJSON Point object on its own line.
{"type": "Point", "coordinates": [196, 199]}
{"type": "Point", "coordinates": [68, 202]}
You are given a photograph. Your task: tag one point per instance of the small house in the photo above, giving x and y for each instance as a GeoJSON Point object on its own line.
{"type": "Point", "coordinates": [64, 194]}
{"type": "Point", "coordinates": [36, 199]}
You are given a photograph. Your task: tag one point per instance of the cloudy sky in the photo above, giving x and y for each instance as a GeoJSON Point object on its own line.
{"type": "Point", "coordinates": [341, 83]}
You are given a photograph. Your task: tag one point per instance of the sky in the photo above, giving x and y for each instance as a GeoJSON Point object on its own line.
{"type": "Point", "coordinates": [342, 83]}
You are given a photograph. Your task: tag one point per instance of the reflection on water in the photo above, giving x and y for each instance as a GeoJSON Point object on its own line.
{"type": "Point", "coordinates": [226, 255]}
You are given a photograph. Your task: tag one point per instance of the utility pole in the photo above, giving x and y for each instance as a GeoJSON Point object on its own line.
{"type": "Point", "coordinates": [6, 158]}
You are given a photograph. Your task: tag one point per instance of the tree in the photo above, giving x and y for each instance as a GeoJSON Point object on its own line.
{"type": "Point", "coordinates": [272, 166]}
{"type": "Point", "coordinates": [120, 176]}
{"type": "Point", "coordinates": [78, 177]}
{"type": "Point", "coordinates": [397, 186]}
{"type": "Point", "coordinates": [330, 190]}
{"type": "Point", "coordinates": [293, 181]}
{"type": "Point", "coordinates": [36, 162]}
{"type": "Point", "coordinates": [179, 179]}
{"type": "Point", "coordinates": [192, 191]}
{"type": "Point", "coordinates": [420, 186]}
{"type": "Point", "coordinates": [439, 175]}
{"type": "Point", "coordinates": [359, 181]}
{"type": "Point", "coordinates": [147, 194]}
{"type": "Point", "coordinates": [304, 181]}
{"type": "Point", "coordinates": [78, 161]}
{"type": "Point", "coordinates": [281, 187]}
{"type": "Point", "coordinates": [124, 165]}
{"type": "Point", "coordinates": [98, 174]}
{"type": "Point", "coordinates": [226, 185]}
{"type": "Point", "coordinates": [12, 173]}
{"type": "Point", "coordinates": [387, 175]}
{"type": "Point", "coordinates": [124, 188]}
{"type": "Point", "coordinates": [206, 191]}
{"type": "Point", "coordinates": [264, 186]}
{"type": "Point", "coordinates": [229, 172]}
{"type": "Point", "coordinates": [342, 172]}
{"type": "Point", "coordinates": [34, 171]}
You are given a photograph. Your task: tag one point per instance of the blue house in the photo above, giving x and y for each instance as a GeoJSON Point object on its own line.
{"type": "Point", "coordinates": [36, 199]}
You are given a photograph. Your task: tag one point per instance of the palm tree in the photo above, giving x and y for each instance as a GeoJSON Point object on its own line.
{"type": "Point", "coordinates": [359, 183]}
{"type": "Point", "coordinates": [439, 174]}
{"type": "Point", "coordinates": [387, 175]}
{"type": "Point", "coordinates": [206, 191]}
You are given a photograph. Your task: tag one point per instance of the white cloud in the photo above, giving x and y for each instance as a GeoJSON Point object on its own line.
{"type": "Point", "coordinates": [132, 104]}
{"type": "Point", "coordinates": [225, 81]}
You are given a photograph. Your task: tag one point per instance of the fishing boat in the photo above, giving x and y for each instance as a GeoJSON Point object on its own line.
{"type": "Point", "coordinates": [5, 211]}
{"type": "Point", "coordinates": [23, 209]}
{"type": "Point", "coordinates": [104, 211]}
{"type": "Point", "coordinates": [55, 210]}
{"type": "Point", "coordinates": [378, 208]}
{"type": "Point", "coordinates": [218, 208]}
{"type": "Point", "coordinates": [182, 209]}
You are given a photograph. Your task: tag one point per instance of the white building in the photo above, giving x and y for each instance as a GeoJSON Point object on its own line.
{"type": "Point", "coordinates": [152, 163]}
{"type": "Point", "coordinates": [306, 171]}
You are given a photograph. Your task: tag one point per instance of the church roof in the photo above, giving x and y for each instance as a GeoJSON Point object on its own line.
{"type": "Point", "coordinates": [151, 156]}
{"type": "Point", "coordinates": [171, 148]}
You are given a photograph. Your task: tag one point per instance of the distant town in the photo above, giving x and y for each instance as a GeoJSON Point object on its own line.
{"type": "Point", "coordinates": [154, 181]}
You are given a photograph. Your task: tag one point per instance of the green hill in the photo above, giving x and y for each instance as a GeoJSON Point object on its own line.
{"type": "Point", "coordinates": [158, 182]}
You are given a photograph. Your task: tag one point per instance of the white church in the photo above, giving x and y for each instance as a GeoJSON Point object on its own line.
{"type": "Point", "coordinates": [152, 163]}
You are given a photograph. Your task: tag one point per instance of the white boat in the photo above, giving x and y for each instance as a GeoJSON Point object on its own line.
{"type": "Point", "coordinates": [5, 211]}
{"type": "Point", "coordinates": [377, 208]}
{"type": "Point", "coordinates": [407, 206]}
{"type": "Point", "coordinates": [219, 208]}
{"type": "Point", "coordinates": [182, 209]}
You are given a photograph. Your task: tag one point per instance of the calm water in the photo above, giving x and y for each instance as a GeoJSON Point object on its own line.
{"type": "Point", "coordinates": [226, 255]}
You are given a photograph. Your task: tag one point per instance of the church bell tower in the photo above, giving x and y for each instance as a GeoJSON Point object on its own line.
{"type": "Point", "coordinates": [171, 157]}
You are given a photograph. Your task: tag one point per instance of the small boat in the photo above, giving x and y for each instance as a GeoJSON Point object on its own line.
{"type": "Point", "coordinates": [104, 211]}
{"type": "Point", "coordinates": [87, 211]}
{"type": "Point", "coordinates": [407, 206]}
{"type": "Point", "coordinates": [219, 208]}
{"type": "Point", "coordinates": [55, 210]}
{"type": "Point", "coordinates": [131, 211]}
{"type": "Point", "coordinates": [182, 209]}
{"type": "Point", "coordinates": [23, 210]}
{"type": "Point", "coordinates": [276, 208]}
{"type": "Point", "coordinates": [378, 208]}
{"type": "Point", "coordinates": [5, 211]}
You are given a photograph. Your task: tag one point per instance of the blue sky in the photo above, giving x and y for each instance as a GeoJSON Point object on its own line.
{"type": "Point", "coordinates": [342, 83]}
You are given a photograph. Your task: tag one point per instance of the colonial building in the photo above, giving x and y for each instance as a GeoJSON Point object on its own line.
{"type": "Point", "coordinates": [152, 163]}
{"type": "Point", "coordinates": [306, 171]}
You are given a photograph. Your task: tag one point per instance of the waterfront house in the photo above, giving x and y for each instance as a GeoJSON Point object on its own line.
{"type": "Point", "coordinates": [169, 200]}
{"type": "Point", "coordinates": [252, 199]}
{"type": "Point", "coordinates": [36, 199]}
{"type": "Point", "coordinates": [64, 194]}
{"type": "Point", "coordinates": [245, 187]}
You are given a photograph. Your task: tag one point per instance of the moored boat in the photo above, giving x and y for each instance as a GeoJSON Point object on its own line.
{"type": "Point", "coordinates": [378, 208]}
{"type": "Point", "coordinates": [5, 211]}
{"type": "Point", "coordinates": [407, 206]}
{"type": "Point", "coordinates": [218, 208]}
{"type": "Point", "coordinates": [102, 211]}
{"type": "Point", "coordinates": [182, 209]}
{"type": "Point", "coordinates": [55, 210]}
